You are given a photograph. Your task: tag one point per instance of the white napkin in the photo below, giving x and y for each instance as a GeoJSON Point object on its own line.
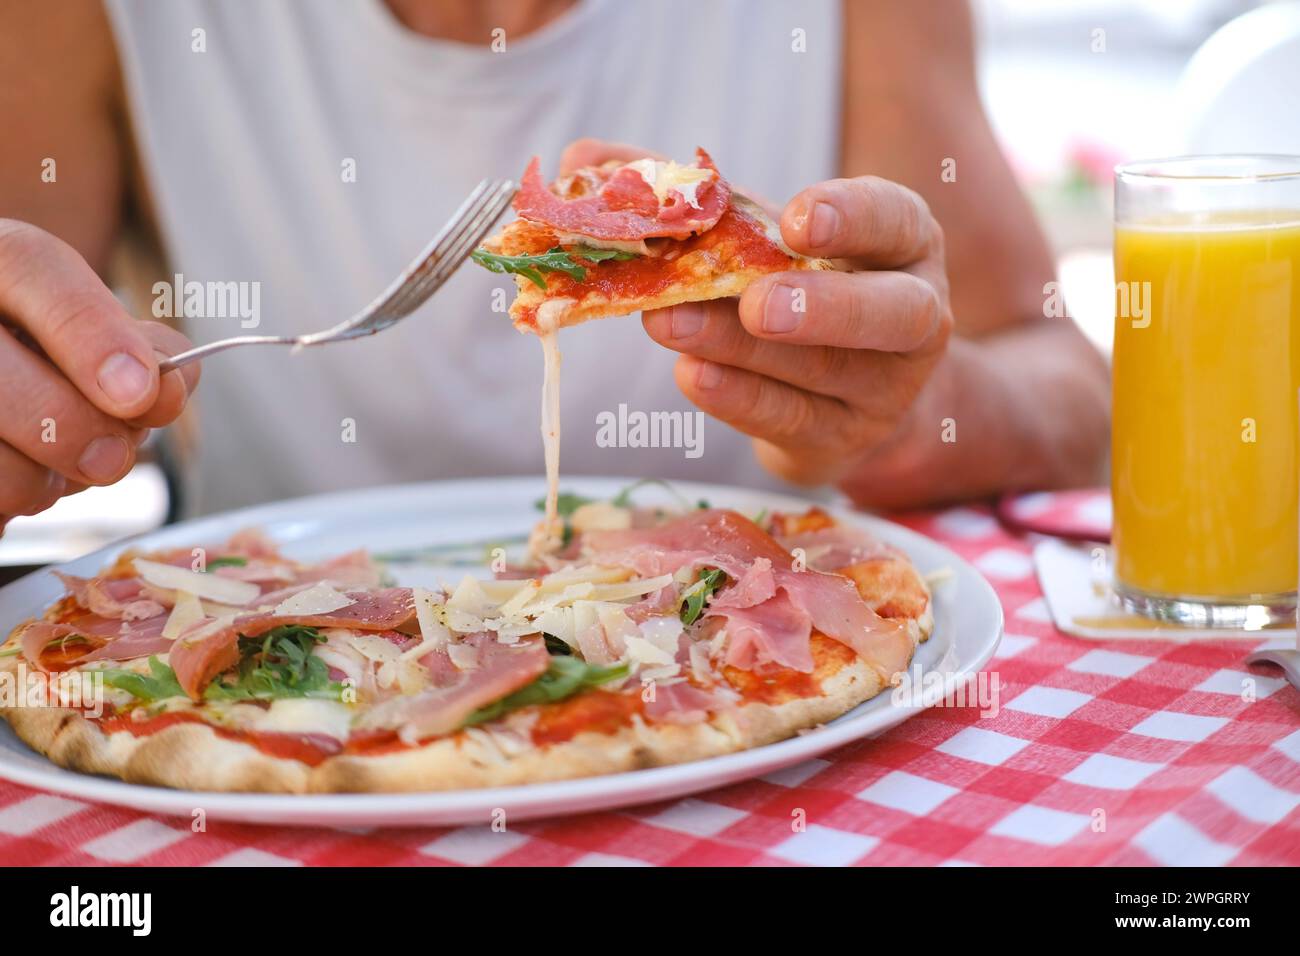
{"type": "Point", "coordinates": [1076, 583]}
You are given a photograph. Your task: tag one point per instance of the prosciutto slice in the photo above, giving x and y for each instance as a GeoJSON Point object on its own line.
{"type": "Point", "coordinates": [775, 630]}
{"type": "Point", "coordinates": [111, 639]}
{"type": "Point", "coordinates": [120, 598]}
{"type": "Point", "coordinates": [829, 549]}
{"type": "Point", "coordinates": [727, 540]}
{"type": "Point", "coordinates": [501, 669]}
{"type": "Point", "coordinates": [619, 205]}
{"type": "Point", "coordinates": [356, 570]}
{"type": "Point", "coordinates": [211, 647]}
{"type": "Point", "coordinates": [139, 639]}
{"type": "Point", "coordinates": [756, 585]}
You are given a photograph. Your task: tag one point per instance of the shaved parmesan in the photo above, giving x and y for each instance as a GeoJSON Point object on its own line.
{"type": "Point", "coordinates": [426, 615]}
{"type": "Point", "coordinates": [209, 586]}
{"type": "Point", "coordinates": [642, 652]}
{"type": "Point", "coordinates": [666, 177]}
{"type": "Point", "coordinates": [186, 612]}
{"type": "Point", "coordinates": [340, 655]}
{"type": "Point", "coordinates": [618, 628]}
{"type": "Point", "coordinates": [386, 654]}
{"type": "Point", "coordinates": [600, 516]}
{"type": "Point", "coordinates": [469, 598]}
{"type": "Point", "coordinates": [512, 607]}
{"type": "Point", "coordinates": [375, 648]}
{"type": "Point", "coordinates": [558, 622]}
{"type": "Point", "coordinates": [663, 632]}
{"type": "Point", "coordinates": [502, 591]}
{"type": "Point", "coordinates": [213, 609]}
{"type": "Point", "coordinates": [630, 589]}
{"type": "Point", "coordinates": [317, 599]}
{"type": "Point", "coordinates": [663, 675]}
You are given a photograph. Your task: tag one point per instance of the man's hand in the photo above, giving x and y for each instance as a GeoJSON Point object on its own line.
{"type": "Point", "coordinates": [821, 367]}
{"type": "Point", "coordinates": [79, 380]}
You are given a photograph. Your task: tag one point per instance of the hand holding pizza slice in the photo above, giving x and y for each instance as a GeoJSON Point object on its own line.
{"type": "Point", "coordinates": [821, 364]}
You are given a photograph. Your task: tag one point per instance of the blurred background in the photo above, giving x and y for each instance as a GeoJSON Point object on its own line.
{"type": "Point", "coordinates": [1072, 87]}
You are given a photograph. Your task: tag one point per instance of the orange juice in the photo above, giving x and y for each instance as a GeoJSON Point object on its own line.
{"type": "Point", "coordinates": [1206, 381]}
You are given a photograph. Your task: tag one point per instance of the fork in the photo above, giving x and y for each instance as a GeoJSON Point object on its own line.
{"type": "Point", "coordinates": [410, 290]}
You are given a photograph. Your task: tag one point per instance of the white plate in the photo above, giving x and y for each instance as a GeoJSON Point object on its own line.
{"type": "Point", "coordinates": [968, 625]}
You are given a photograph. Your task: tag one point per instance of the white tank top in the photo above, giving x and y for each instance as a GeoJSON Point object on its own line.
{"type": "Point", "coordinates": [246, 146]}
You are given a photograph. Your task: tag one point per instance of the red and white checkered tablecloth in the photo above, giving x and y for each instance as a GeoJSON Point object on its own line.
{"type": "Point", "coordinates": [1123, 753]}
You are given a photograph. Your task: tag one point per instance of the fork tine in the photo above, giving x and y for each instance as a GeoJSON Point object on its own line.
{"type": "Point", "coordinates": [471, 238]}
{"type": "Point", "coordinates": [467, 239]}
{"type": "Point", "coordinates": [427, 260]}
{"type": "Point", "coordinates": [450, 240]}
{"type": "Point", "coordinates": [489, 196]}
{"type": "Point", "coordinates": [439, 267]}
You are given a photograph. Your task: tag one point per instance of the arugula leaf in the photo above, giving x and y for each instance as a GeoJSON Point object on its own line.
{"type": "Point", "coordinates": [564, 678]}
{"type": "Point", "coordinates": [624, 498]}
{"type": "Point", "coordinates": [277, 664]}
{"type": "Point", "coordinates": [556, 260]}
{"type": "Point", "coordinates": [565, 505]}
{"type": "Point", "coordinates": [693, 598]}
{"type": "Point", "coordinates": [229, 562]}
{"type": "Point", "coordinates": [567, 502]}
{"type": "Point", "coordinates": [159, 685]}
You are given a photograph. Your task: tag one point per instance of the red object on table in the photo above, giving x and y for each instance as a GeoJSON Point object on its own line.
{"type": "Point", "coordinates": [1124, 753]}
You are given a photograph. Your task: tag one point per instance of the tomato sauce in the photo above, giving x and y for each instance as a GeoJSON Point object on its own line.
{"type": "Point", "coordinates": [311, 749]}
{"type": "Point", "coordinates": [595, 710]}
{"type": "Point", "coordinates": [736, 242]}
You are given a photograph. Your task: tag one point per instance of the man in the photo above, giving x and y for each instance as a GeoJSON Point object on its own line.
{"type": "Point", "coordinates": [304, 151]}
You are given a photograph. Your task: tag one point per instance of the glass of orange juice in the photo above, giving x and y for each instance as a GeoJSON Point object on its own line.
{"type": "Point", "coordinates": [1206, 378]}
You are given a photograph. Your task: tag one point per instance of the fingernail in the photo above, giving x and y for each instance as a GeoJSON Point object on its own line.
{"type": "Point", "coordinates": [710, 375]}
{"type": "Point", "coordinates": [123, 378]}
{"type": "Point", "coordinates": [687, 320]}
{"type": "Point", "coordinates": [55, 485]}
{"type": "Point", "coordinates": [824, 224]}
{"type": "Point", "coordinates": [778, 311]}
{"type": "Point", "coordinates": [104, 458]}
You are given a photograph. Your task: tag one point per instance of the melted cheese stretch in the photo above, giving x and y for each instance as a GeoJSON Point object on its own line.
{"type": "Point", "coordinates": [551, 538]}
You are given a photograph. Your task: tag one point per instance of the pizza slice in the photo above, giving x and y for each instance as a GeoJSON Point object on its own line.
{"type": "Point", "coordinates": [655, 638]}
{"type": "Point", "coordinates": [624, 237]}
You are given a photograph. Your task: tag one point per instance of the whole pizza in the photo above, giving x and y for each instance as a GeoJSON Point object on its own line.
{"type": "Point", "coordinates": [650, 637]}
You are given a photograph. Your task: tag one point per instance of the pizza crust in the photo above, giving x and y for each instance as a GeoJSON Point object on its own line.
{"type": "Point", "coordinates": [192, 756]}
{"type": "Point", "coordinates": [533, 301]}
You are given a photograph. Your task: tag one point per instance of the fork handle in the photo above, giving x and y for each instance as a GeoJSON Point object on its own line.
{"type": "Point", "coordinates": [185, 358]}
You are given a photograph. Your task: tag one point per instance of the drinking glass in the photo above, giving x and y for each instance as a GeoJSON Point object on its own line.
{"type": "Point", "coordinates": [1206, 375]}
